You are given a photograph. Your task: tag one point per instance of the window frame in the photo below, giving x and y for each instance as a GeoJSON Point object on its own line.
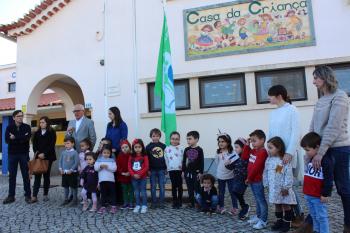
{"type": "Point", "coordinates": [8, 87]}
{"type": "Point", "coordinates": [257, 89]}
{"type": "Point", "coordinates": [339, 65]}
{"type": "Point", "coordinates": [235, 76]}
{"type": "Point", "coordinates": [150, 85]}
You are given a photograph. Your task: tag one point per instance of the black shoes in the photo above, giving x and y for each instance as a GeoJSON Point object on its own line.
{"type": "Point", "coordinates": [243, 214]}
{"type": "Point", "coordinates": [8, 200]}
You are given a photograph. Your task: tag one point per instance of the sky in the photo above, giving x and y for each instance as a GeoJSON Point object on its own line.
{"type": "Point", "coordinates": [11, 10]}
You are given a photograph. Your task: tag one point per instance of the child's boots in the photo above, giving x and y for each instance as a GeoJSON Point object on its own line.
{"type": "Point", "coordinates": [279, 223]}
{"type": "Point", "coordinates": [287, 221]}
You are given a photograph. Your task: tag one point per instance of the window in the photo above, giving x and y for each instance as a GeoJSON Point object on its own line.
{"type": "Point", "coordinates": [293, 80]}
{"type": "Point", "coordinates": [182, 96]}
{"type": "Point", "coordinates": [342, 74]}
{"type": "Point", "coordinates": [219, 91]}
{"type": "Point", "coordinates": [11, 87]}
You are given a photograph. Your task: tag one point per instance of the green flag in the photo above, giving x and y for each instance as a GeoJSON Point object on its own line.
{"type": "Point", "coordinates": [164, 87]}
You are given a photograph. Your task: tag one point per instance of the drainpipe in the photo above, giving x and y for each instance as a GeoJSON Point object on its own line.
{"type": "Point", "coordinates": [135, 71]}
{"type": "Point", "coordinates": [105, 23]}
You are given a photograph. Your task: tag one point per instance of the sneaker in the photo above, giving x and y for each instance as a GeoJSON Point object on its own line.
{"type": "Point", "coordinates": [113, 210]}
{"type": "Point", "coordinates": [233, 211]}
{"type": "Point", "coordinates": [124, 207]}
{"type": "Point", "coordinates": [34, 199]}
{"type": "Point", "coordinates": [260, 225]}
{"type": "Point", "coordinates": [93, 209]}
{"type": "Point", "coordinates": [253, 220]}
{"type": "Point", "coordinates": [243, 214]}
{"type": "Point", "coordinates": [136, 209]}
{"type": "Point", "coordinates": [8, 200]}
{"type": "Point", "coordinates": [143, 209]}
{"type": "Point", "coordinates": [131, 206]}
{"type": "Point", "coordinates": [102, 210]}
{"type": "Point", "coordinates": [85, 206]}
{"type": "Point", "coordinates": [221, 210]}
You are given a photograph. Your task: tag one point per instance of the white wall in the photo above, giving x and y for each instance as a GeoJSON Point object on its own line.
{"type": "Point", "coordinates": [6, 72]}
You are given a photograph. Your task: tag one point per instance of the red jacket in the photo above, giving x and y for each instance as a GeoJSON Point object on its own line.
{"type": "Point", "coordinates": [122, 167]}
{"type": "Point", "coordinates": [138, 165]}
{"type": "Point", "coordinates": [256, 165]}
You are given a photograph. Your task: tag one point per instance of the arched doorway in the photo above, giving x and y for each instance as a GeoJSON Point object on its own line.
{"type": "Point", "coordinates": [54, 96]}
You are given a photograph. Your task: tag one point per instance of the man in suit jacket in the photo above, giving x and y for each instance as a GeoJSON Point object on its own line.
{"type": "Point", "coordinates": [81, 128]}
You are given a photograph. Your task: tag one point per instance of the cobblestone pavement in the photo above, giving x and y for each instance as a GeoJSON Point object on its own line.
{"type": "Point", "coordinates": [50, 217]}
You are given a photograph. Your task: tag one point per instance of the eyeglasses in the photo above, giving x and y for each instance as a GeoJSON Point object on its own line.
{"type": "Point", "coordinates": [77, 111]}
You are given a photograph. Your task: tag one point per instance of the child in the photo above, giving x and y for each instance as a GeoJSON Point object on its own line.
{"type": "Point", "coordinates": [207, 197]}
{"type": "Point", "coordinates": [103, 142]}
{"type": "Point", "coordinates": [192, 165]}
{"type": "Point", "coordinates": [85, 146]}
{"type": "Point", "coordinates": [239, 168]}
{"type": "Point", "coordinates": [123, 175]}
{"type": "Point", "coordinates": [224, 175]}
{"type": "Point", "coordinates": [138, 167]}
{"type": "Point", "coordinates": [278, 177]}
{"type": "Point", "coordinates": [89, 182]}
{"type": "Point", "coordinates": [173, 158]}
{"type": "Point", "coordinates": [106, 166]}
{"type": "Point", "coordinates": [68, 166]}
{"type": "Point", "coordinates": [257, 157]}
{"type": "Point", "coordinates": [317, 183]}
{"type": "Point", "coordinates": [157, 166]}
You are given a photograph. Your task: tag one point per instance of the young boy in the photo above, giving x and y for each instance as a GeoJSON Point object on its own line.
{"type": "Point", "coordinates": [257, 157]}
{"type": "Point", "coordinates": [317, 183]}
{"type": "Point", "coordinates": [207, 197]}
{"type": "Point", "coordinates": [68, 166]}
{"type": "Point", "coordinates": [157, 165]}
{"type": "Point", "coordinates": [192, 165]}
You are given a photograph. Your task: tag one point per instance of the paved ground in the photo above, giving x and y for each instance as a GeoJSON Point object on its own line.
{"type": "Point", "coordinates": [50, 217]}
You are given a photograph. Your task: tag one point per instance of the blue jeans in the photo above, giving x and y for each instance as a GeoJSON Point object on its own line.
{"type": "Point", "coordinates": [140, 190]}
{"type": "Point", "coordinates": [160, 177]}
{"type": "Point", "coordinates": [13, 161]}
{"type": "Point", "coordinates": [339, 158]}
{"type": "Point", "coordinates": [261, 204]}
{"type": "Point", "coordinates": [222, 188]}
{"type": "Point", "coordinates": [207, 205]}
{"type": "Point", "coordinates": [318, 212]}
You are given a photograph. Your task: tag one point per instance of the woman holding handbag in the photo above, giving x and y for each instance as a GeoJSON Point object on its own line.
{"type": "Point", "coordinates": [44, 142]}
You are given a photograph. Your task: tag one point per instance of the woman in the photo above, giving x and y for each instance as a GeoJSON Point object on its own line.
{"type": "Point", "coordinates": [330, 120]}
{"type": "Point", "coordinates": [285, 123]}
{"type": "Point", "coordinates": [44, 142]}
{"type": "Point", "coordinates": [117, 130]}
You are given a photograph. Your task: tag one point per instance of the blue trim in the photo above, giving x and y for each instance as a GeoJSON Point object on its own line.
{"type": "Point", "coordinates": [312, 41]}
{"type": "Point", "coordinates": [5, 122]}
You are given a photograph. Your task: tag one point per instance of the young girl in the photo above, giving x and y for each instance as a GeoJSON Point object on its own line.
{"type": "Point", "coordinates": [138, 168]}
{"type": "Point", "coordinates": [278, 177]}
{"type": "Point", "coordinates": [173, 158]}
{"type": "Point", "coordinates": [106, 166]}
{"type": "Point", "coordinates": [123, 175]}
{"type": "Point", "coordinates": [224, 175]}
{"type": "Point", "coordinates": [89, 182]}
{"type": "Point", "coordinates": [239, 168]}
{"type": "Point", "coordinates": [85, 146]}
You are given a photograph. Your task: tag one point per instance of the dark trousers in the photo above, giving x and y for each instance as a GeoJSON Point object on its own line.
{"type": "Point", "coordinates": [13, 161]}
{"type": "Point", "coordinates": [107, 189]}
{"type": "Point", "coordinates": [340, 161]}
{"type": "Point", "coordinates": [176, 186]}
{"type": "Point", "coordinates": [118, 191]}
{"type": "Point", "coordinates": [192, 185]}
{"type": "Point", "coordinates": [37, 181]}
{"type": "Point", "coordinates": [240, 198]}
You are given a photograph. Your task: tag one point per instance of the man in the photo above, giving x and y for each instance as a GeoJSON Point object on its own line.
{"type": "Point", "coordinates": [81, 128]}
{"type": "Point", "coordinates": [17, 136]}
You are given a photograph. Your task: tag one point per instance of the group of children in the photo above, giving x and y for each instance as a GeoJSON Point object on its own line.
{"type": "Point", "coordinates": [240, 164]}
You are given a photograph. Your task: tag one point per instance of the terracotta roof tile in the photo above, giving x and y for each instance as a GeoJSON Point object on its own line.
{"type": "Point", "coordinates": [45, 100]}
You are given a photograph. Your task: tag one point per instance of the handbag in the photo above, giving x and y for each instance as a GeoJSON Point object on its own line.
{"type": "Point", "coordinates": [38, 166]}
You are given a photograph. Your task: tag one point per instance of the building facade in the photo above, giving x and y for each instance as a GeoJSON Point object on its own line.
{"type": "Point", "coordinates": [104, 53]}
